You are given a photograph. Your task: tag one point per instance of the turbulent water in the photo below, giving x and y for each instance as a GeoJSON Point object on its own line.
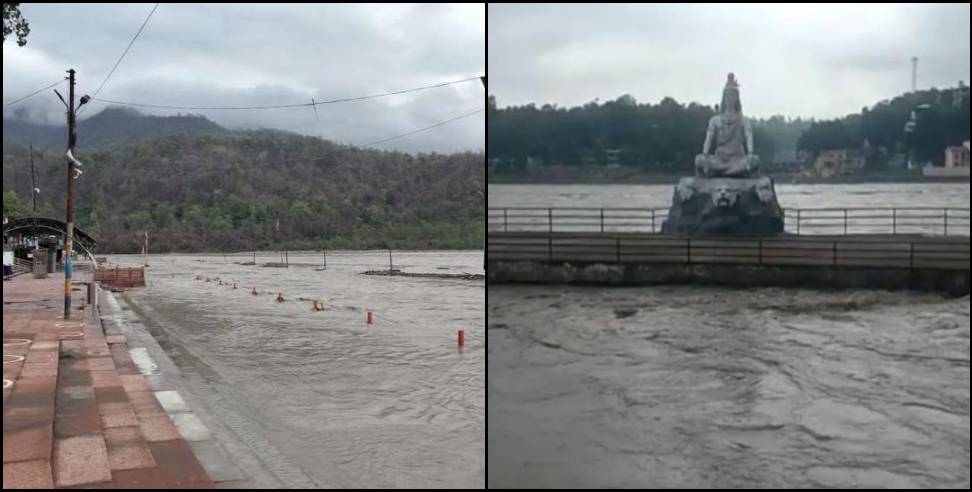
{"type": "Point", "coordinates": [711, 387]}
{"type": "Point", "coordinates": [694, 387]}
{"type": "Point", "coordinates": [790, 196]}
{"type": "Point", "coordinates": [395, 404]}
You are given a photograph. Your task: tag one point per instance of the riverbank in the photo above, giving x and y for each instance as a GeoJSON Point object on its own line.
{"type": "Point", "coordinates": [79, 409]}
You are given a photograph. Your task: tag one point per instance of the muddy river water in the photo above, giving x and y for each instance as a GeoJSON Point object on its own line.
{"type": "Point", "coordinates": [709, 387]}
{"type": "Point", "coordinates": [694, 387]}
{"type": "Point", "coordinates": [394, 404]}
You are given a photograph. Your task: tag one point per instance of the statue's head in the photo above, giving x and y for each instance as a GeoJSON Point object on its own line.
{"type": "Point", "coordinates": [730, 96]}
{"type": "Point", "coordinates": [724, 196]}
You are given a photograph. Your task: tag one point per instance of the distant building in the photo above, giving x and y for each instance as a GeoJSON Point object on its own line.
{"type": "Point", "coordinates": [957, 156]}
{"type": "Point", "coordinates": [840, 162]}
{"type": "Point", "coordinates": [956, 163]}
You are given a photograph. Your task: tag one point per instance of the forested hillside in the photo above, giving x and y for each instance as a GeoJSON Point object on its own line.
{"type": "Point", "coordinates": [226, 191]}
{"type": "Point", "coordinates": [663, 138]}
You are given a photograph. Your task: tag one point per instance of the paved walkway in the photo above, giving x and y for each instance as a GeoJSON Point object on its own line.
{"type": "Point", "coordinates": [77, 412]}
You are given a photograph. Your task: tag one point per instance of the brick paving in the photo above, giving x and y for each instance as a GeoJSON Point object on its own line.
{"type": "Point", "coordinates": [77, 413]}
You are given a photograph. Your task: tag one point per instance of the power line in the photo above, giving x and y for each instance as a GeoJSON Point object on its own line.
{"type": "Point", "coordinates": [38, 91]}
{"type": "Point", "coordinates": [480, 110]}
{"type": "Point", "coordinates": [122, 57]}
{"type": "Point", "coordinates": [282, 106]}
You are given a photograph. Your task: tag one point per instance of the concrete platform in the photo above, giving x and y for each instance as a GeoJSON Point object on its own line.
{"type": "Point", "coordinates": [877, 261]}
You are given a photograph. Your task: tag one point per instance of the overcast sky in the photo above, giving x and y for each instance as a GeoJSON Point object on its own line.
{"type": "Point", "coordinates": [268, 54]}
{"type": "Point", "coordinates": [795, 60]}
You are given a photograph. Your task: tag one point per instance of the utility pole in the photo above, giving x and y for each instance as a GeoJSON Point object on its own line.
{"type": "Point", "coordinates": [69, 229]}
{"type": "Point", "coordinates": [33, 195]}
{"type": "Point", "coordinates": [146, 248]}
{"type": "Point", "coordinates": [483, 79]}
{"type": "Point", "coordinates": [914, 74]}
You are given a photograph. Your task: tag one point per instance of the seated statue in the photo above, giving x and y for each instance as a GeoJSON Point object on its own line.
{"type": "Point", "coordinates": [732, 138]}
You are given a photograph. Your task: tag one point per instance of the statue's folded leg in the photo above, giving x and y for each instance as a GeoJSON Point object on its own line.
{"type": "Point", "coordinates": [742, 167]}
{"type": "Point", "coordinates": [710, 166]}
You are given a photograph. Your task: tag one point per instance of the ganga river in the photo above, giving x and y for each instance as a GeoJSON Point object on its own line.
{"type": "Point", "coordinates": [712, 387]}
{"type": "Point", "coordinates": [394, 404]}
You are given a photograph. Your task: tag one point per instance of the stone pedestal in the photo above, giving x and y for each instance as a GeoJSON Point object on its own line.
{"type": "Point", "coordinates": [725, 207]}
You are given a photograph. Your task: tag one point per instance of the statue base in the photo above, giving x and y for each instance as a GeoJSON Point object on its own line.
{"type": "Point", "coordinates": [725, 207]}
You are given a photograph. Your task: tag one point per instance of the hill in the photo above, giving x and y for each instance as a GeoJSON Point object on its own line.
{"type": "Point", "coordinates": [111, 126]}
{"type": "Point", "coordinates": [225, 192]}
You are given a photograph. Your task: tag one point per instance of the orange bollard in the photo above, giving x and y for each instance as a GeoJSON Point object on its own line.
{"type": "Point", "coordinates": [280, 297]}
{"type": "Point", "coordinates": [370, 321]}
{"type": "Point", "coordinates": [254, 292]}
{"type": "Point", "coordinates": [462, 338]}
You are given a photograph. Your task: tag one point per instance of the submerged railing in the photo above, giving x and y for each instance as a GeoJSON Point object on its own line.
{"type": "Point", "coordinates": [944, 221]}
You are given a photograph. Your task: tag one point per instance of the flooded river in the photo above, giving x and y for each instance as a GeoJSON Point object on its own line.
{"type": "Point", "coordinates": [695, 387]}
{"type": "Point", "coordinates": [790, 196]}
{"type": "Point", "coordinates": [708, 387]}
{"type": "Point", "coordinates": [395, 404]}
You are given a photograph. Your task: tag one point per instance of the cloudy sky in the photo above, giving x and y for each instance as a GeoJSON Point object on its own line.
{"type": "Point", "coordinates": [268, 54]}
{"type": "Point", "coordinates": [795, 60]}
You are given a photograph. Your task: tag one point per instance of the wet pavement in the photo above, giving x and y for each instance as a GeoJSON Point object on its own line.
{"type": "Point", "coordinates": [700, 387]}
{"type": "Point", "coordinates": [77, 412]}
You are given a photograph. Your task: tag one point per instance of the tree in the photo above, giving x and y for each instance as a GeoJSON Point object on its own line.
{"type": "Point", "coordinates": [14, 23]}
{"type": "Point", "coordinates": [13, 208]}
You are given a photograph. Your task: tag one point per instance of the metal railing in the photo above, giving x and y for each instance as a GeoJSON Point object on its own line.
{"type": "Point", "coordinates": [944, 221]}
{"type": "Point", "coordinates": [20, 264]}
{"type": "Point", "coordinates": [944, 254]}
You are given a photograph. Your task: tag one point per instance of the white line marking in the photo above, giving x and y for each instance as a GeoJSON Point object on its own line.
{"type": "Point", "coordinates": [146, 365]}
{"type": "Point", "coordinates": [171, 401]}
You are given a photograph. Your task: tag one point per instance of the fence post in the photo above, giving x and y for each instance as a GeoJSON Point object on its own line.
{"type": "Point", "coordinates": [602, 220]}
{"type": "Point", "coordinates": [550, 219]}
{"type": "Point", "coordinates": [506, 227]}
{"type": "Point", "coordinates": [946, 222]}
{"type": "Point", "coordinates": [911, 259]}
{"type": "Point", "coordinates": [652, 221]}
{"type": "Point", "coordinates": [799, 213]}
{"type": "Point", "coordinates": [894, 221]}
{"type": "Point", "coordinates": [845, 223]}
{"type": "Point", "coordinates": [760, 252]}
{"type": "Point", "coordinates": [619, 249]}
{"type": "Point", "coordinates": [550, 249]}
{"type": "Point", "coordinates": [835, 251]}
{"type": "Point", "coordinates": [688, 250]}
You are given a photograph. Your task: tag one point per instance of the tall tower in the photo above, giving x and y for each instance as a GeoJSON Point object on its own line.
{"type": "Point", "coordinates": [914, 73]}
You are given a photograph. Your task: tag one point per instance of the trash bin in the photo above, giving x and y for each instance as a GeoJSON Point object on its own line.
{"type": "Point", "coordinates": [40, 257]}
